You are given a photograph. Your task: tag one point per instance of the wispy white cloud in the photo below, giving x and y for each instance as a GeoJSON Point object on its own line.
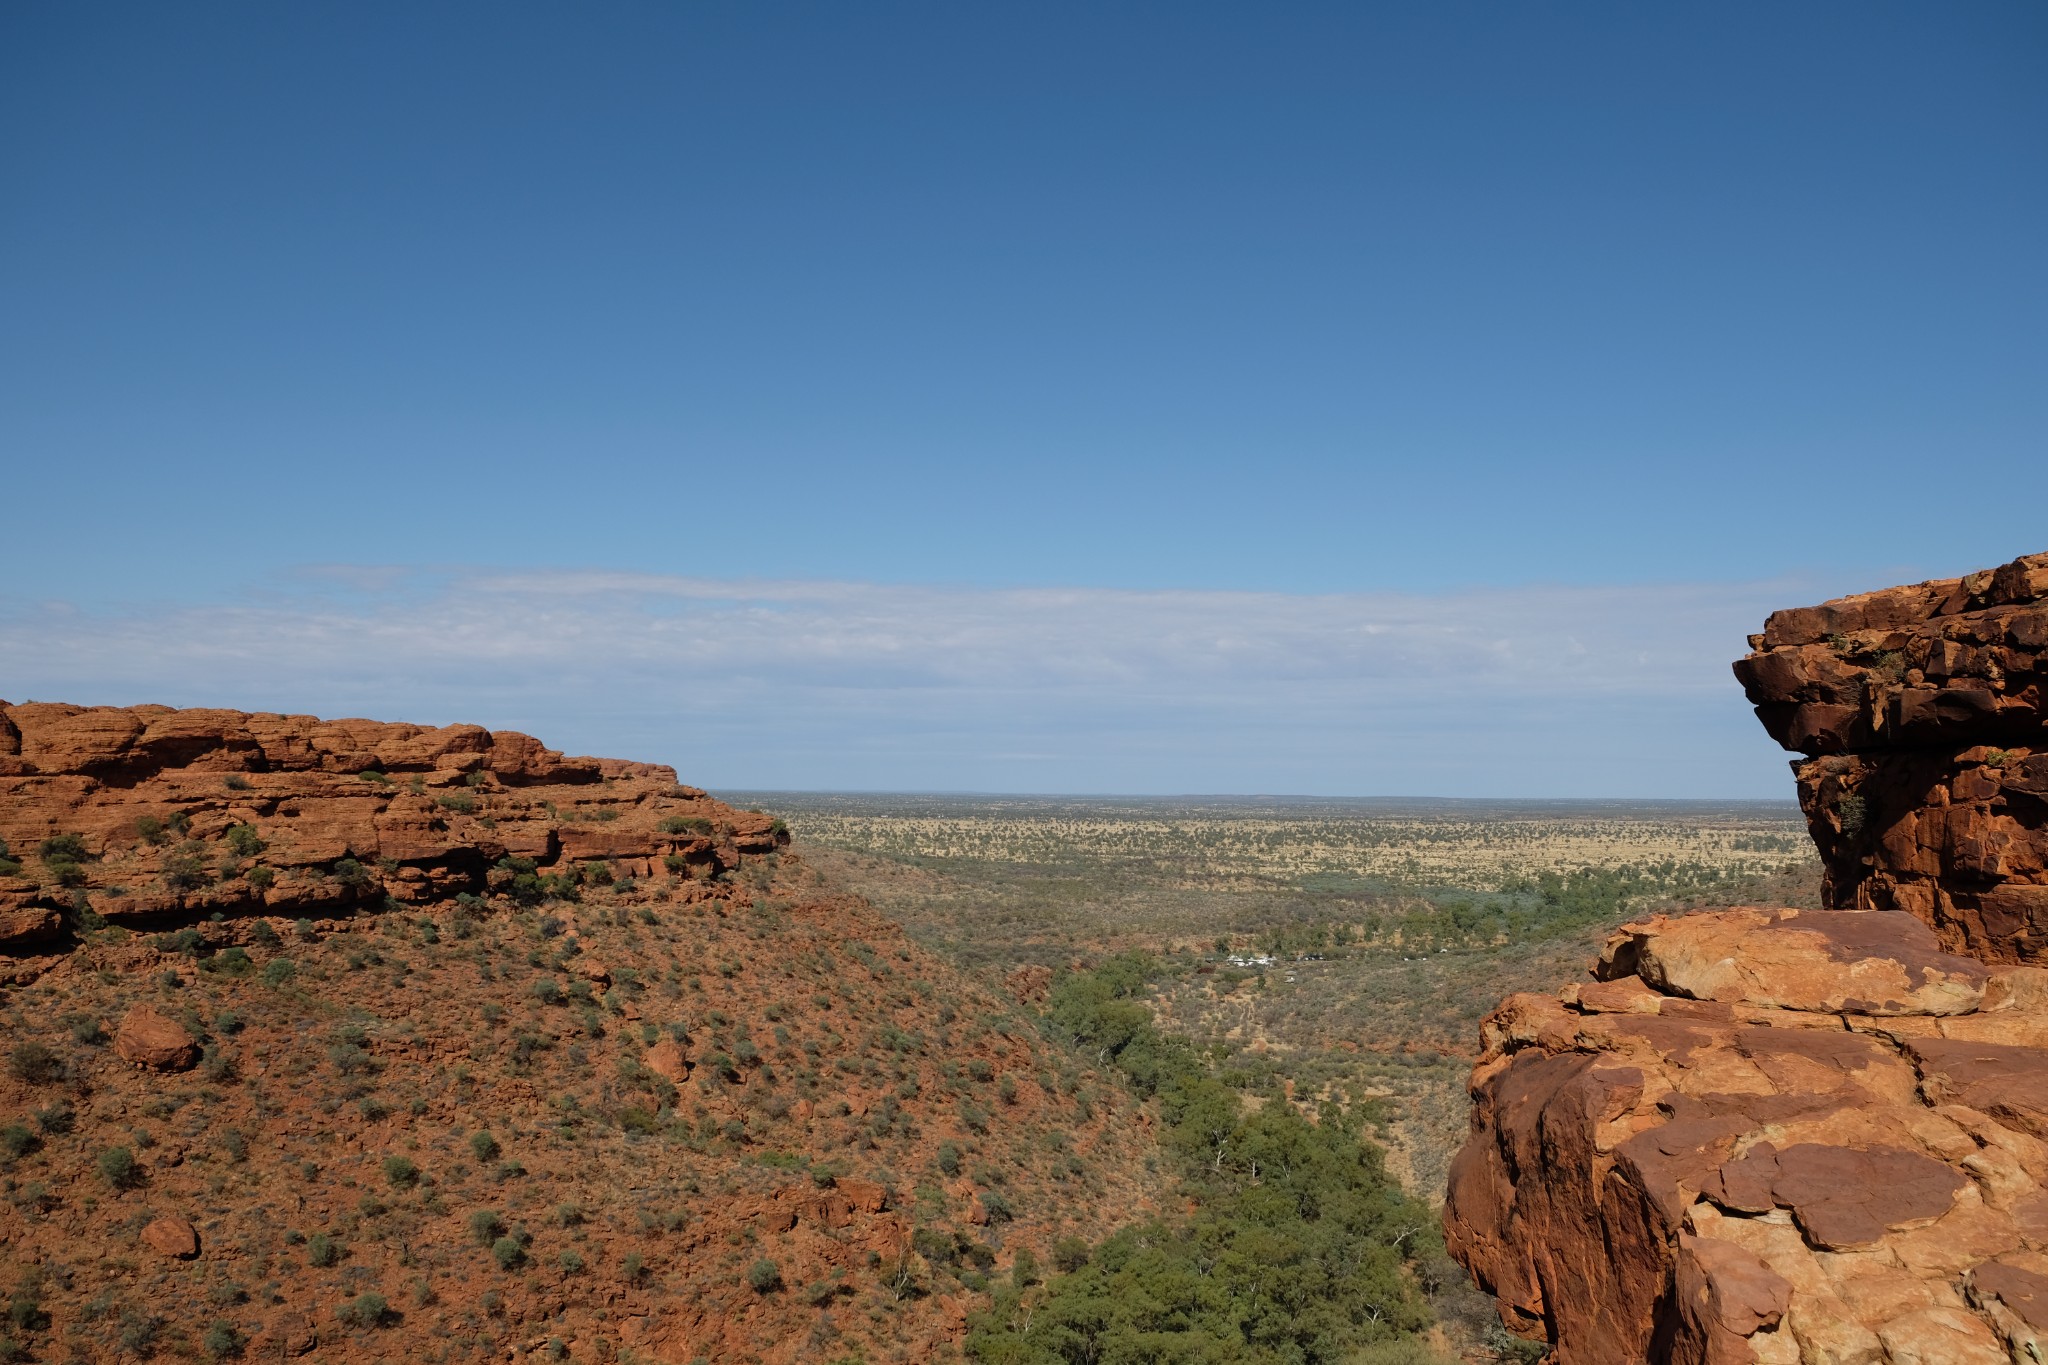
{"type": "Point", "coordinates": [849, 684]}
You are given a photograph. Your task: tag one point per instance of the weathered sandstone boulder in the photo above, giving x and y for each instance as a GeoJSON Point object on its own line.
{"type": "Point", "coordinates": [1923, 712]}
{"type": "Point", "coordinates": [1766, 1136]}
{"type": "Point", "coordinates": [172, 1236]}
{"type": "Point", "coordinates": [156, 818]}
{"type": "Point", "coordinates": [154, 1040]}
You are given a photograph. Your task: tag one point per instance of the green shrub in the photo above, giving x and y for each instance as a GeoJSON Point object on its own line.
{"type": "Point", "coordinates": [230, 961]}
{"type": "Point", "coordinates": [463, 803]}
{"type": "Point", "coordinates": [686, 824]}
{"type": "Point", "coordinates": [353, 876]}
{"type": "Point", "coordinates": [35, 1063]}
{"type": "Point", "coordinates": [570, 1262]}
{"type": "Point", "coordinates": [149, 829]}
{"type": "Point", "coordinates": [483, 1146]}
{"type": "Point", "coordinates": [367, 1309]}
{"type": "Point", "coordinates": [63, 848]}
{"type": "Point", "coordinates": [237, 783]}
{"type": "Point", "coordinates": [486, 1226]}
{"type": "Point", "coordinates": [221, 1339]}
{"type": "Point", "coordinates": [949, 1158]}
{"type": "Point", "coordinates": [17, 1140]}
{"type": "Point", "coordinates": [322, 1250]}
{"type": "Point", "coordinates": [118, 1166]}
{"type": "Point", "coordinates": [508, 1253]}
{"type": "Point", "coordinates": [764, 1276]}
{"type": "Point", "coordinates": [401, 1172]}
{"type": "Point", "coordinates": [244, 842]}
{"type": "Point", "coordinates": [185, 868]}
{"type": "Point", "coordinates": [279, 970]}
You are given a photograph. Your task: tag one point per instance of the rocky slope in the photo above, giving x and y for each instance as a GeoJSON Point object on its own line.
{"type": "Point", "coordinates": [1768, 1135]}
{"type": "Point", "coordinates": [1923, 711]}
{"type": "Point", "coordinates": [359, 1041]}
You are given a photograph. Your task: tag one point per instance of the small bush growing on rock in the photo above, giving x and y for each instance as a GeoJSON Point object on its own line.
{"type": "Point", "coordinates": [279, 970]}
{"type": "Point", "coordinates": [367, 1309]}
{"type": "Point", "coordinates": [571, 1263]}
{"type": "Point", "coordinates": [764, 1275]}
{"type": "Point", "coordinates": [508, 1253]}
{"type": "Point", "coordinates": [634, 1267]}
{"type": "Point", "coordinates": [949, 1158]}
{"type": "Point", "coordinates": [322, 1251]}
{"type": "Point", "coordinates": [462, 803]}
{"type": "Point", "coordinates": [17, 1141]}
{"type": "Point", "coordinates": [996, 1206]}
{"type": "Point", "coordinates": [232, 961]}
{"type": "Point", "coordinates": [486, 1226]}
{"type": "Point", "coordinates": [87, 1029]}
{"type": "Point", "coordinates": [401, 1172]}
{"type": "Point", "coordinates": [149, 829]}
{"type": "Point", "coordinates": [35, 1063]}
{"type": "Point", "coordinates": [65, 848]}
{"type": "Point", "coordinates": [483, 1145]}
{"type": "Point", "coordinates": [118, 1166]}
{"type": "Point", "coordinates": [244, 842]}
{"type": "Point", "coordinates": [353, 876]}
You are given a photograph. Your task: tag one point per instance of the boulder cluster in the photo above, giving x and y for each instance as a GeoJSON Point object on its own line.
{"type": "Point", "coordinates": [1817, 1136]}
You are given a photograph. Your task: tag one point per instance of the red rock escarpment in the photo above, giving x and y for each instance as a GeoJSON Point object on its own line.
{"type": "Point", "coordinates": [1923, 712]}
{"type": "Point", "coordinates": [1822, 1136]}
{"type": "Point", "coordinates": [151, 815]}
{"type": "Point", "coordinates": [1766, 1135]}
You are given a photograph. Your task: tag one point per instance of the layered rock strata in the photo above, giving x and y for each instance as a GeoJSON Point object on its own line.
{"type": "Point", "coordinates": [1923, 715]}
{"type": "Point", "coordinates": [1766, 1135]}
{"type": "Point", "coordinates": [153, 816]}
{"type": "Point", "coordinates": [1821, 1136]}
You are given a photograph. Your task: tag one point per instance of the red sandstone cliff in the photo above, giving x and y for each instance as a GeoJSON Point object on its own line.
{"type": "Point", "coordinates": [1923, 712]}
{"type": "Point", "coordinates": [151, 816]}
{"type": "Point", "coordinates": [1767, 1135]}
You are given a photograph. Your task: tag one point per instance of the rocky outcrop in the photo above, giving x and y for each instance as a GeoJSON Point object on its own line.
{"type": "Point", "coordinates": [1766, 1135]}
{"type": "Point", "coordinates": [1821, 1136]}
{"type": "Point", "coordinates": [153, 816]}
{"type": "Point", "coordinates": [1923, 712]}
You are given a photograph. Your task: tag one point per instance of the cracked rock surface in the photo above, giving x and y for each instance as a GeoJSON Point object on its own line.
{"type": "Point", "coordinates": [1831, 1150]}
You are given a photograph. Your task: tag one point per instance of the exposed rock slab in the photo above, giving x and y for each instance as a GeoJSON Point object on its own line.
{"type": "Point", "coordinates": [1827, 1148]}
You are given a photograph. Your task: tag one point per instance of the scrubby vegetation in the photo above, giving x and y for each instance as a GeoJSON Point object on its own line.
{"type": "Point", "coordinates": [1295, 1251]}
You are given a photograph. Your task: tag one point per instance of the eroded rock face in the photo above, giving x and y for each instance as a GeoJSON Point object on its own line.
{"type": "Point", "coordinates": [1766, 1135]}
{"type": "Point", "coordinates": [151, 816]}
{"type": "Point", "coordinates": [1923, 712]}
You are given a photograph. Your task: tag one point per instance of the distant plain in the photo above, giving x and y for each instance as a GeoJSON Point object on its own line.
{"type": "Point", "coordinates": [1319, 947]}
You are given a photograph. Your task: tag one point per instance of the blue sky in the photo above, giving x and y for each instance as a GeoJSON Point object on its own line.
{"type": "Point", "coordinates": [321, 325]}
